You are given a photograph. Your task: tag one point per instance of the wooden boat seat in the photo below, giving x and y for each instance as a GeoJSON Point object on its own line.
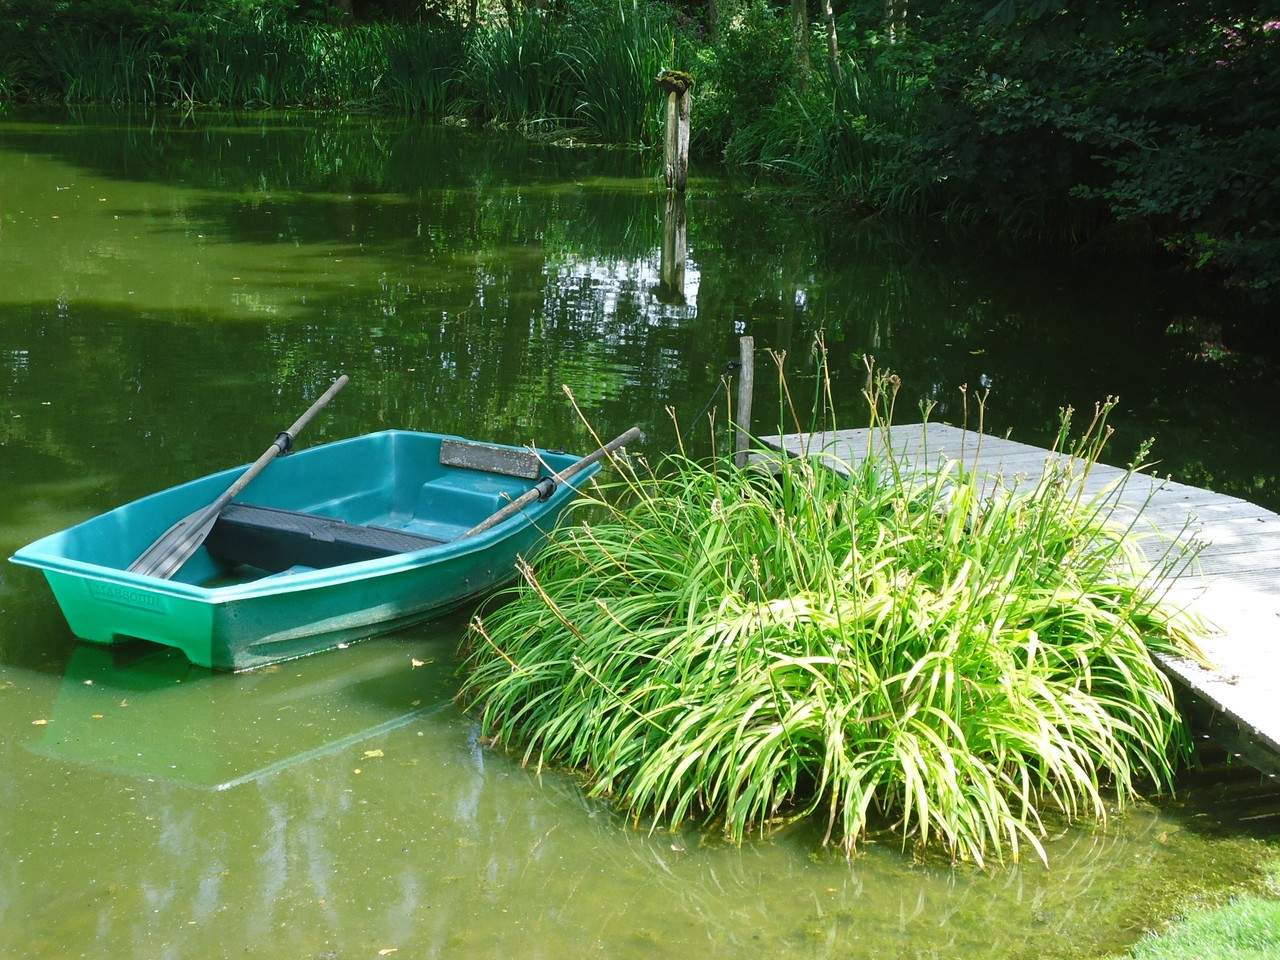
{"type": "Point", "coordinates": [275, 540]}
{"type": "Point", "coordinates": [490, 458]}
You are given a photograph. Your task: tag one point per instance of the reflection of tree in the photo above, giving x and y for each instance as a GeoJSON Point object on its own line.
{"type": "Point", "coordinates": [460, 278]}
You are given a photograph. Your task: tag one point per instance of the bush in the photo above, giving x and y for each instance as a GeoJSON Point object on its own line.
{"type": "Point", "coordinates": [938, 653]}
{"type": "Point", "coordinates": [740, 75]}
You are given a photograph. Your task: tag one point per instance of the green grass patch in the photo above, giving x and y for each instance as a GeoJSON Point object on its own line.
{"type": "Point", "coordinates": [941, 655]}
{"type": "Point", "coordinates": [1245, 928]}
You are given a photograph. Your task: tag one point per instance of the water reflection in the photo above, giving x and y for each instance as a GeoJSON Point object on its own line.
{"type": "Point", "coordinates": [675, 251]}
{"type": "Point", "coordinates": [116, 706]}
{"type": "Point", "coordinates": [441, 267]}
{"type": "Point", "coordinates": [163, 311]}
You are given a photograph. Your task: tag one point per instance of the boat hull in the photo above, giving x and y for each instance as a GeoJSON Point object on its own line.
{"type": "Point", "coordinates": [228, 618]}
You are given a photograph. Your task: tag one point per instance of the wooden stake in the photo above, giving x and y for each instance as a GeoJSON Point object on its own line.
{"type": "Point", "coordinates": [676, 84]}
{"type": "Point", "coordinates": [746, 387]}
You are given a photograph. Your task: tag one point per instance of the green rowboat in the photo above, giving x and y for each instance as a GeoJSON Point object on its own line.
{"type": "Point", "coordinates": [331, 544]}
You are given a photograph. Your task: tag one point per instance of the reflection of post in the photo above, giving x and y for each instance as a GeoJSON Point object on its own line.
{"type": "Point", "coordinates": [676, 84]}
{"type": "Point", "coordinates": [674, 248]}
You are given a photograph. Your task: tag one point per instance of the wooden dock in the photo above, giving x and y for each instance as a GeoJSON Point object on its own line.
{"type": "Point", "coordinates": [1235, 585]}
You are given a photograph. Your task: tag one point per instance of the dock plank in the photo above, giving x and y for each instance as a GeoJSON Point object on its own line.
{"type": "Point", "coordinates": [1234, 585]}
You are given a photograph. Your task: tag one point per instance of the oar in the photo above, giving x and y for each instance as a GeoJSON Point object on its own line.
{"type": "Point", "coordinates": [176, 545]}
{"type": "Point", "coordinates": [547, 485]}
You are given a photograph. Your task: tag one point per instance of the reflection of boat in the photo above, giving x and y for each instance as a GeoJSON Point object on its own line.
{"type": "Point", "coordinates": [342, 541]}
{"type": "Point", "coordinates": [145, 711]}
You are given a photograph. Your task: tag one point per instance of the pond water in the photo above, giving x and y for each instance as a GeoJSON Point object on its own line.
{"type": "Point", "coordinates": [175, 289]}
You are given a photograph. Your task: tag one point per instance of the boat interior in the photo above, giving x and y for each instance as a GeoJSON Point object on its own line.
{"type": "Point", "coordinates": [475, 480]}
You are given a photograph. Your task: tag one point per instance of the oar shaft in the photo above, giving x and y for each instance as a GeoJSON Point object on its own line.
{"type": "Point", "coordinates": [283, 443]}
{"type": "Point", "coordinates": [175, 546]}
{"type": "Point", "coordinates": [540, 491]}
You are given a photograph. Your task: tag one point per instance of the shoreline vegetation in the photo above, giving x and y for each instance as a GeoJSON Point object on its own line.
{"type": "Point", "coordinates": [949, 660]}
{"type": "Point", "coordinates": [1108, 126]}
{"type": "Point", "coordinates": [1244, 927]}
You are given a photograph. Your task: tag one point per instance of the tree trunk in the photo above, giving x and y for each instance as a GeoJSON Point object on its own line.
{"type": "Point", "coordinates": [800, 39]}
{"type": "Point", "coordinates": [833, 46]}
{"type": "Point", "coordinates": [895, 15]}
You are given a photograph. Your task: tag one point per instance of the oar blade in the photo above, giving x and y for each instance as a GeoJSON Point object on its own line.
{"type": "Point", "coordinates": [176, 545]}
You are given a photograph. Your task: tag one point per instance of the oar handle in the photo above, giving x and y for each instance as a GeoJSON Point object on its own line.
{"type": "Point", "coordinates": [546, 486]}
{"type": "Point", "coordinates": [283, 443]}
{"type": "Point", "coordinates": [301, 423]}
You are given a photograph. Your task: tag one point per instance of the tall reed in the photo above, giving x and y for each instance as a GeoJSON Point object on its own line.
{"type": "Point", "coordinates": [108, 69]}
{"type": "Point", "coordinates": [520, 72]}
{"type": "Point", "coordinates": [615, 67]}
{"type": "Point", "coordinates": [937, 653]}
{"type": "Point", "coordinates": [850, 136]}
{"type": "Point", "coordinates": [268, 63]}
{"type": "Point", "coordinates": [424, 66]}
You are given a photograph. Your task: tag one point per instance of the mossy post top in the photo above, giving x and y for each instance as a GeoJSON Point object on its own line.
{"type": "Point", "coordinates": [674, 81]}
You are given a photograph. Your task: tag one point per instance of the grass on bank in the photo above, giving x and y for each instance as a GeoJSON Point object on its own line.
{"type": "Point", "coordinates": [944, 656]}
{"type": "Point", "coordinates": [1245, 928]}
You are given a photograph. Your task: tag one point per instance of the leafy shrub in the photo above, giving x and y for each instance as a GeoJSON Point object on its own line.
{"type": "Point", "coordinates": [936, 653]}
{"type": "Point", "coordinates": [741, 74]}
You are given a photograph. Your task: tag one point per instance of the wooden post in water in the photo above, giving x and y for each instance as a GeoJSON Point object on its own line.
{"type": "Point", "coordinates": [676, 84]}
{"type": "Point", "coordinates": [746, 387]}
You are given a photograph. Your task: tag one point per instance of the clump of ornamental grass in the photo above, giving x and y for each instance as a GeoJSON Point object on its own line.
{"type": "Point", "coordinates": [932, 652]}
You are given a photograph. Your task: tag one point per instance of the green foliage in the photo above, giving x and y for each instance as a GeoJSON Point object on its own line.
{"type": "Point", "coordinates": [741, 74]}
{"type": "Point", "coordinates": [521, 73]}
{"type": "Point", "coordinates": [614, 67]}
{"type": "Point", "coordinates": [849, 136]}
{"type": "Point", "coordinates": [940, 654]}
{"type": "Point", "coordinates": [1057, 123]}
{"type": "Point", "coordinates": [1068, 123]}
{"type": "Point", "coordinates": [424, 65]}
